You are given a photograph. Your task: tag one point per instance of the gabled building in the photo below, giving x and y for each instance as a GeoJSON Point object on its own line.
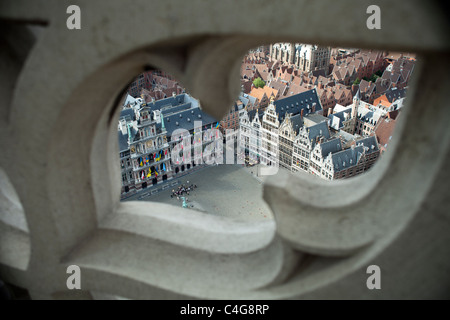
{"type": "Point", "coordinates": [263, 96]}
{"type": "Point", "coordinates": [321, 150]}
{"type": "Point", "coordinates": [269, 137]}
{"type": "Point", "coordinates": [287, 135]}
{"type": "Point", "coordinates": [355, 160]}
{"type": "Point", "coordinates": [146, 143]}
{"type": "Point", "coordinates": [250, 136]}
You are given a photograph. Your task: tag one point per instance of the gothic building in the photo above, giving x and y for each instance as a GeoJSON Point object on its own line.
{"type": "Point", "coordinates": [160, 139]}
{"type": "Point", "coordinates": [305, 57]}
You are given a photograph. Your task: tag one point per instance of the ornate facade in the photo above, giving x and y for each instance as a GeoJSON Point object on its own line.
{"type": "Point", "coordinates": [152, 151]}
{"type": "Point", "coordinates": [300, 142]}
{"type": "Point", "coordinates": [305, 57]}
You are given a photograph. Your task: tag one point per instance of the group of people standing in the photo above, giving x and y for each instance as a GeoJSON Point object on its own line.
{"type": "Point", "coordinates": [183, 189]}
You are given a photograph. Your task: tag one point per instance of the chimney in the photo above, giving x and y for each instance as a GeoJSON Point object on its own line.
{"type": "Point", "coordinates": [330, 111]}
{"type": "Point", "coordinates": [301, 113]}
{"type": "Point", "coordinates": [320, 84]}
{"type": "Point", "coordinates": [314, 107]}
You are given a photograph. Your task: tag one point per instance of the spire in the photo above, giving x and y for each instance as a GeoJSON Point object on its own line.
{"type": "Point", "coordinates": [162, 122]}
{"type": "Point", "coordinates": [129, 132]}
{"type": "Point", "coordinates": [358, 95]}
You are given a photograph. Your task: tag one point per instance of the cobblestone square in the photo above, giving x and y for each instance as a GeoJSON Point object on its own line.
{"type": "Point", "coordinates": [223, 190]}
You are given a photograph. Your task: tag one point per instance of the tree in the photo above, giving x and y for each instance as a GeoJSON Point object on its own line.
{"type": "Point", "coordinates": [258, 83]}
{"type": "Point", "coordinates": [356, 82]}
{"type": "Point", "coordinates": [374, 77]}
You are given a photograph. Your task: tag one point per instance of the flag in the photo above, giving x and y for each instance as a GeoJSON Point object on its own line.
{"type": "Point", "coordinates": [217, 125]}
{"type": "Point", "coordinates": [140, 162]}
{"type": "Point", "coordinates": [156, 172]}
{"type": "Point", "coordinates": [142, 175]}
{"type": "Point", "coordinates": [164, 167]}
{"type": "Point", "coordinates": [149, 174]}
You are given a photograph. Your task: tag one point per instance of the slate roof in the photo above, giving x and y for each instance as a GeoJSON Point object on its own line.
{"type": "Point", "coordinates": [330, 146]}
{"type": "Point", "coordinates": [297, 122]}
{"type": "Point", "coordinates": [244, 100]}
{"type": "Point", "coordinates": [395, 94]}
{"type": "Point", "coordinates": [127, 114]}
{"type": "Point", "coordinates": [123, 141]}
{"type": "Point", "coordinates": [252, 113]}
{"type": "Point", "coordinates": [344, 159]}
{"type": "Point", "coordinates": [175, 109]}
{"type": "Point", "coordinates": [370, 143]}
{"type": "Point", "coordinates": [316, 118]}
{"type": "Point", "coordinates": [186, 121]}
{"type": "Point", "coordinates": [294, 104]}
{"type": "Point", "coordinates": [250, 98]}
{"type": "Point", "coordinates": [317, 130]}
{"type": "Point", "coordinates": [171, 101]}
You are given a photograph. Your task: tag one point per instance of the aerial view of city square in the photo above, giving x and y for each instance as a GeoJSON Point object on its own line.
{"type": "Point", "coordinates": [228, 157]}
{"type": "Point", "coordinates": [329, 112]}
